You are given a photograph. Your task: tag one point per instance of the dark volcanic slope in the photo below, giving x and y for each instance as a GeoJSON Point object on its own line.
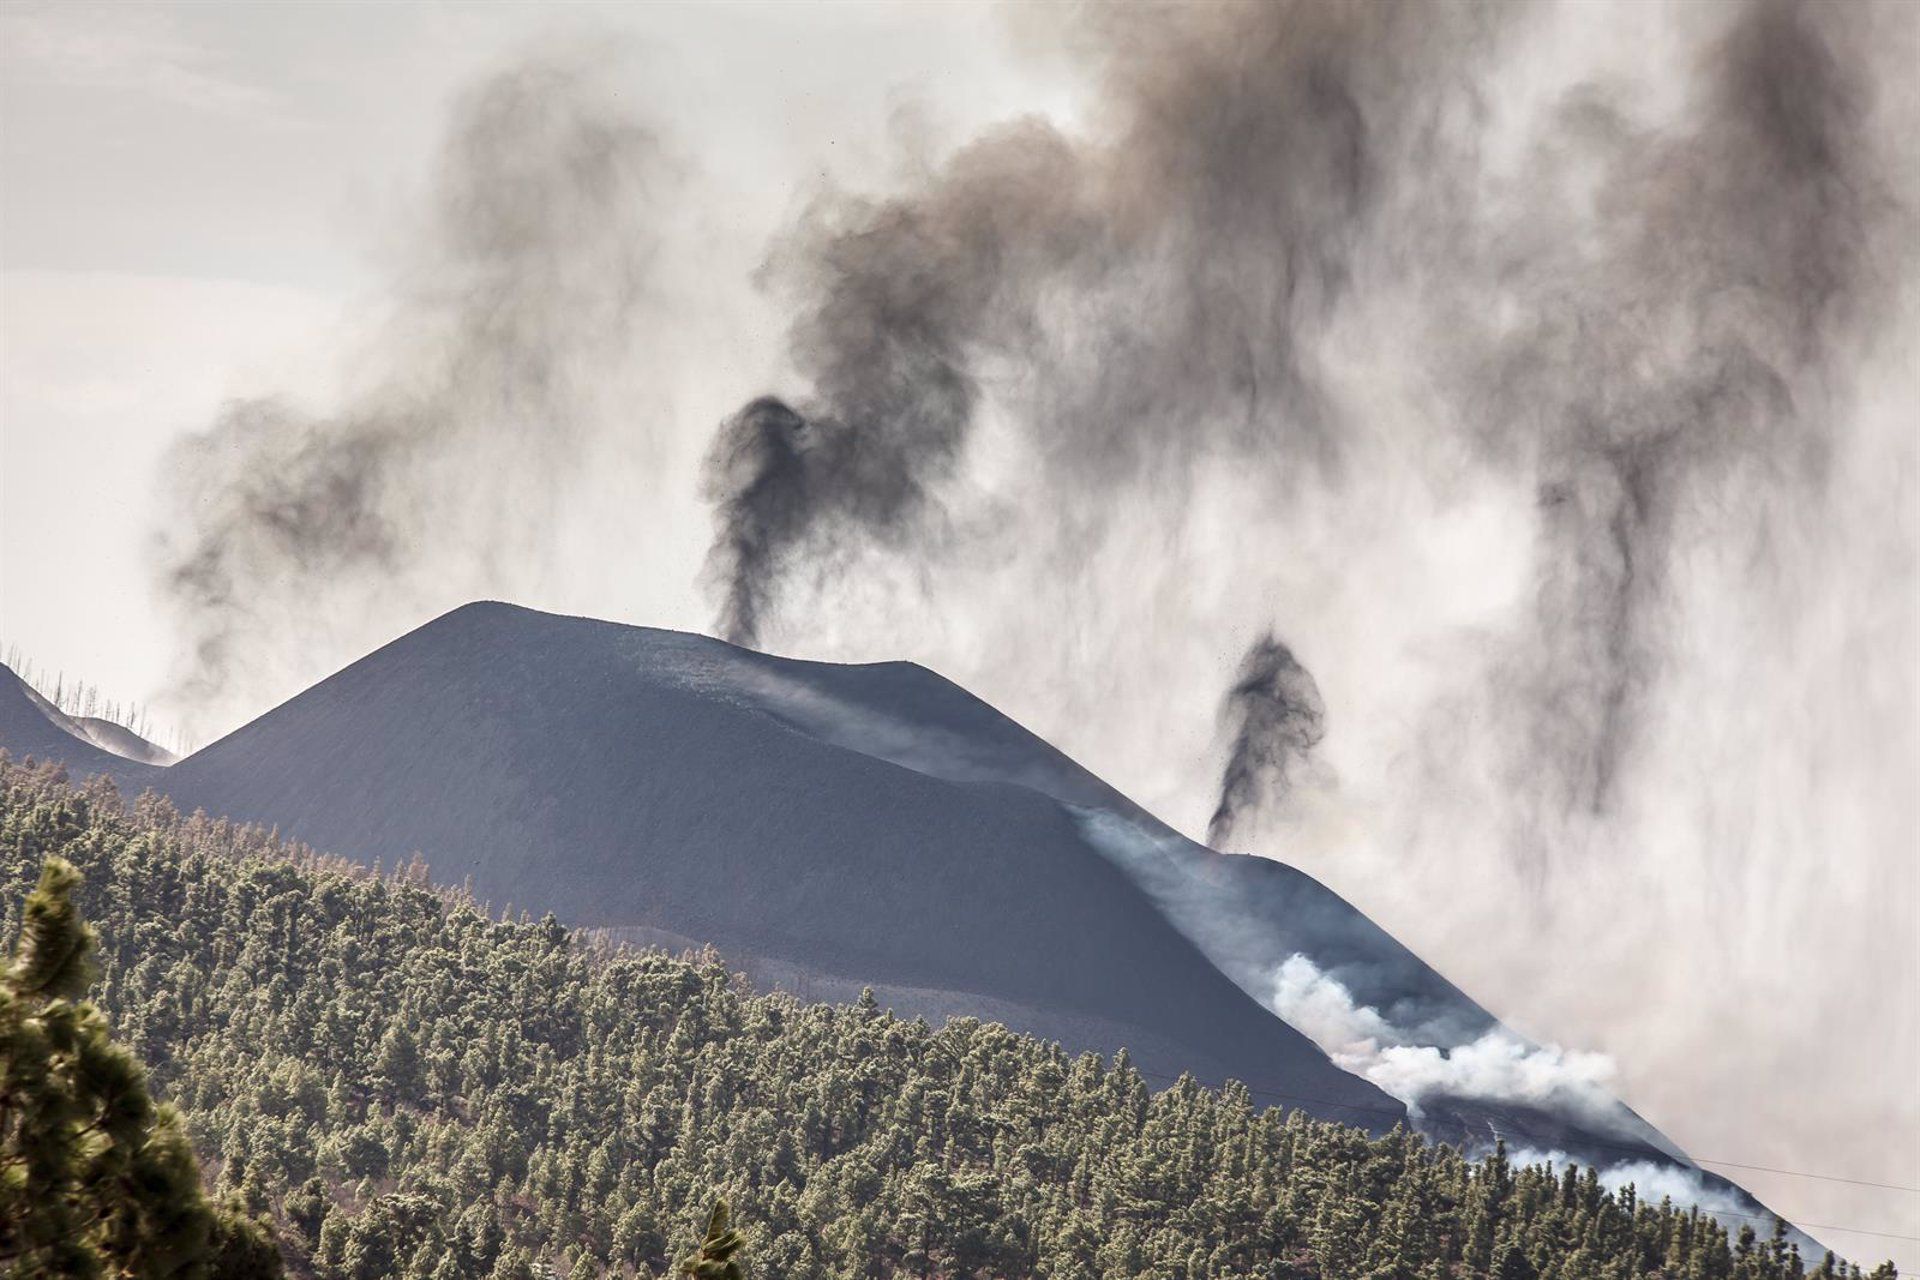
{"type": "Point", "coordinates": [1248, 914]}
{"type": "Point", "coordinates": [831, 827]}
{"type": "Point", "coordinates": [32, 726]}
{"type": "Point", "coordinates": [623, 777]}
{"type": "Point", "coordinates": [122, 741]}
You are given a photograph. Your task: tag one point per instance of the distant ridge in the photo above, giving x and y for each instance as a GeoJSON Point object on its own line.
{"type": "Point", "coordinates": [32, 726]}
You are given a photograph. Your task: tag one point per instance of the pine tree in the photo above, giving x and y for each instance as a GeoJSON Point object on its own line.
{"type": "Point", "coordinates": [715, 1258]}
{"type": "Point", "coordinates": [397, 1065]}
{"type": "Point", "coordinates": [94, 1177]}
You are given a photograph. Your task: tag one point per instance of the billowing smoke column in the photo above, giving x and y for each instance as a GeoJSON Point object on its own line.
{"type": "Point", "coordinates": [1149, 297]}
{"type": "Point", "coordinates": [777, 479]}
{"type": "Point", "coordinates": [757, 474]}
{"type": "Point", "coordinates": [446, 465]}
{"type": "Point", "coordinates": [1275, 717]}
{"type": "Point", "coordinates": [895, 306]}
{"type": "Point", "coordinates": [1636, 325]}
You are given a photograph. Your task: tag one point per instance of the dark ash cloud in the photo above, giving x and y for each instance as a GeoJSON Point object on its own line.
{"type": "Point", "coordinates": [758, 475]}
{"type": "Point", "coordinates": [519, 295]}
{"type": "Point", "coordinates": [1669, 366]}
{"type": "Point", "coordinates": [1274, 717]}
{"type": "Point", "coordinates": [1636, 322]}
{"type": "Point", "coordinates": [1144, 298]}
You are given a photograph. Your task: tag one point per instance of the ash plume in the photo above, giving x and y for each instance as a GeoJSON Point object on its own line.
{"type": "Point", "coordinates": [516, 301]}
{"type": "Point", "coordinates": [1671, 366]}
{"type": "Point", "coordinates": [778, 478]}
{"type": "Point", "coordinates": [757, 474]}
{"type": "Point", "coordinates": [1634, 322]}
{"type": "Point", "coordinates": [895, 305]}
{"type": "Point", "coordinates": [1275, 717]}
{"type": "Point", "coordinates": [1148, 296]}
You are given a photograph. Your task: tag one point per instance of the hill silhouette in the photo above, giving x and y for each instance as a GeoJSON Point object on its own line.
{"type": "Point", "coordinates": [648, 782]}
{"type": "Point", "coordinates": [829, 828]}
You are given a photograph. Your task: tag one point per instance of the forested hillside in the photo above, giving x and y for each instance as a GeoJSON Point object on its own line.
{"type": "Point", "coordinates": [407, 1087]}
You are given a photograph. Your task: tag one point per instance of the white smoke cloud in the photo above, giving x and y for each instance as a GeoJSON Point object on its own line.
{"type": "Point", "coordinates": [1321, 1009]}
{"type": "Point", "coordinates": [1685, 1188]}
{"type": "Point", "coordinates": [1498, 1066]}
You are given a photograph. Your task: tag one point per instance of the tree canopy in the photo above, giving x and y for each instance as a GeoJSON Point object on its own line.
{"type": "Point", "coordinates": [95, 1179]}
{"type": "Point", "coordinates": [406, 1085]}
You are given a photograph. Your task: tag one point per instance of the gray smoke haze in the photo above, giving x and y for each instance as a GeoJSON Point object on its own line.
{"type": "Point", "coordinates": [1665, 354]}
{"type": "Point", "coordinates": [1635, 322]}
{"type": "Point", "coordinates": [1274, 716]}
{"type": "Point", "coordinates": [515, 303]}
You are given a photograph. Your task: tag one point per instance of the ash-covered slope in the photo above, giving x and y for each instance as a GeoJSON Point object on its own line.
{"type": "Point", "coordinates": [32, 726]}
{"type": "Point", "coordinates": [1471, 1080]}
{"type": "Point", "coordinates": [829, 827]}
{"type": "Point", "coordinates": [649, 782]}
{"type": "Point", "coordinates": [111, 735]}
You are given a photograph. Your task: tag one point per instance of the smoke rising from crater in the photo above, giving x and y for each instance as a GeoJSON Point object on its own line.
{"type": "Point", "coordinates": [1138, 299]}
{"type": "Point", "coordinates": [1275, 716]}
{"type": "Point", "coordinates": [757, 473]}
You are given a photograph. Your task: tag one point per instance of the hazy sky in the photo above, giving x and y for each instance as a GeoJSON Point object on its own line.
{"type": "Point", "coordinates": [208, 202]}
{"type": "Point", "coordinates": [199, 199]}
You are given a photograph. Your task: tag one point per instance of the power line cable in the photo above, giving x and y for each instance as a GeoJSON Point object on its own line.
{"type": "Point", "coordinates": [1805, 1226]}
{"type": "Point", "coordinates": [1644, 1149]}
{"type": "Point", "coordinates": [1797, 1173]}
{"type": "Point", "coordinates": [1641, 1151]}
